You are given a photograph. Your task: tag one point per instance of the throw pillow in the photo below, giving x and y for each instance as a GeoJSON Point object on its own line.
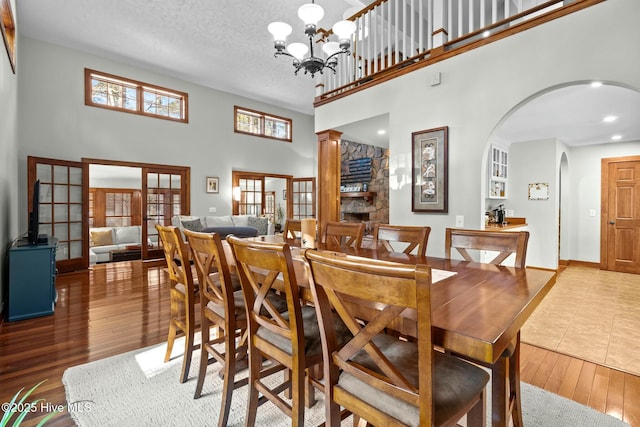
{"type": "Point", "coordinates": [193, 225]}
{"type": "Point", "coordinates": [259, 223]}
{"type": "Point", "coordinates": [102, 237]}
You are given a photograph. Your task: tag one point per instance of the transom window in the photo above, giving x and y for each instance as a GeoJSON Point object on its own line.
{"type": "Point", "coordinates": [262, 124]}
{"type": "Point", "coordinates": [122, 94]}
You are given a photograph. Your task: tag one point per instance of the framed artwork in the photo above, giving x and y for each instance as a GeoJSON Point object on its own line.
{"type": "Point", "coordinates": [8, 27]}
{"type": "Point", "coordinates": [429, 174]}
{"type": "Point", "coordinates": [539, 191]}
{"type": "Point", "coordinates": [212, 184]}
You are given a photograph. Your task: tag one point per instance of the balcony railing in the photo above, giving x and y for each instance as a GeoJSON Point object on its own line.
{"type": "Point", "coordinates": [394, 37]}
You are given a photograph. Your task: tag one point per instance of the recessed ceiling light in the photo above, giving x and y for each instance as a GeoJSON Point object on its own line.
{"type": "Point", "coordinates": [610, 119]}
{"type": "Point", "coordinates": [596, 84]}
{"type": "Point", "coordinates": [382, 132]}
{"type": "Point", "coordinates": [616, 137]}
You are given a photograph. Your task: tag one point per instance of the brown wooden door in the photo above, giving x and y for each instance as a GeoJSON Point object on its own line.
{"type": "Point", "coordinates": [620, 222]}
{"type": "Point", "coordinates": [64, 187]}
{"type": "Point", "coordinates": [165, 193]}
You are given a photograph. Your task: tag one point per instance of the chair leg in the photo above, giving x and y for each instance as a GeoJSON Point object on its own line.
{"type": "Point", "coordinates": [229, 378]}
{"type": "Point", "coordinates": [309, 390]}
{"type": "Point", "coordinates": [204, 357]}
{"type": "Point", "coordinates": [298, 379]}
{"type": "Point", "coordinates": [477, 415]}
{"type": "Point", "coordinates": [255, 362]}
{"type": "Point", "coordinates": [170, 339]}
{"type": "Point", "coordinates": [188, 353]}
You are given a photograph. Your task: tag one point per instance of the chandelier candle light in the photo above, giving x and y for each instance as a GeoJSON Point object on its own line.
{"type": "Point", "coordinates": [311, 14]}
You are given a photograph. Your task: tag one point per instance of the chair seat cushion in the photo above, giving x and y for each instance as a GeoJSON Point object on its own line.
{"type": "Point", "coordinates": [236, 231]}
{"type": "Point", "coordinates": [455, 382]}
{"type": "Point", "coordinates": [312, 340]}
{"type": "Point", "coordinates": [278, 302]}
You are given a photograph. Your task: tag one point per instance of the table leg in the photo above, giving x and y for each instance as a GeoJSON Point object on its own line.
{"type": "Point", "coordinates": [499, 393]}
{"type": "Point", "coordinates": [505, 389]}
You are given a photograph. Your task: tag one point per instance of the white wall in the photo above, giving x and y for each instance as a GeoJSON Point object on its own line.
{"type": "Point", "coordinates": [9, 181]}
{"type": "Point", "coordinates": [478, 90]}
{"type": "Point", "coordinates": [541, 215]}
{"type": "Point", "coordinates": [55, 123]}
{"type": "Point", "coordinates": [585, 166]}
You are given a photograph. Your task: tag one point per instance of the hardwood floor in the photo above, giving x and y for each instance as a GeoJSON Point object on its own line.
{"type": "Point", "coordinates": [119, 307]}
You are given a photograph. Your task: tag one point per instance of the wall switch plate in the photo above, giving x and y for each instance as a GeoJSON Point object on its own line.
{"type": "Point", "coordinates": [212, 210]}
{"type": "Point", "coordinates": [592, 212]}
{"type": "Point", "coordinates": [459, 220]}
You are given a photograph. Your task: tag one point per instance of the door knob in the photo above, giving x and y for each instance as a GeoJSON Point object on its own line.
{"type": "Point", "coordinates": [612, 222]}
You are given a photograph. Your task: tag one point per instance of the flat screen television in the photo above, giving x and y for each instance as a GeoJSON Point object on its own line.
{"type": "Point", "coordinates": [34, 215]}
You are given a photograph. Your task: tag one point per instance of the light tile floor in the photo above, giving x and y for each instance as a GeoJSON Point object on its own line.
{"type": "Point", "coordinates": [593, 315]}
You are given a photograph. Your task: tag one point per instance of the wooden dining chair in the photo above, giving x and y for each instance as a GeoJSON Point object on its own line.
{"type": "Point", "coordinates": [503, 242]}
{"type": "Point", "coordinates": [381, 378]}
{"type": "Point", "coordinates": [505, 373]}
{"type": "Point", "coordinates": [415, 237]}
{"type": "Point", "coordinates": [338, 235]}
{"type": "Point", "coordinates": [222, 309]}
{"type": "Point", "coordinates": [291, 340]}
{"type": "Point", "coordinates": [292, 229]}
{"type": "Point", "coordinates": [183, 294]}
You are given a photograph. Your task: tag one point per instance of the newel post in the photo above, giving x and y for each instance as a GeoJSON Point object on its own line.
{"type": "Point", "coordinates": [440, 35]}
{"type": "Point", "coordinates": [328, 178]}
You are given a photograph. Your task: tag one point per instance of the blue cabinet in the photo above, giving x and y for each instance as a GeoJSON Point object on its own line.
{"type": "Point", "coordinates": [32, 277]}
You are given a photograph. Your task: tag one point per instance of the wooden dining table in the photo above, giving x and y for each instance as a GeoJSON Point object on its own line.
{"type": "Point", "coordinates": [477, 309]}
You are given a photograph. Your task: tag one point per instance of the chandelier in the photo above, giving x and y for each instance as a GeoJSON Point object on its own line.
{"type": "Point", "coordinates": [311, 14]}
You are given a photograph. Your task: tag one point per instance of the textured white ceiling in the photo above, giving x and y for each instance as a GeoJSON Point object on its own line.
{"type": "Point", "coordinates": [224, 44]}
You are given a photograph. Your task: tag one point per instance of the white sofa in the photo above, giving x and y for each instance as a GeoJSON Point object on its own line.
{"type": "Point", "coordinates": [102, 240]}
{"type": "Point", "coordinates": [262, 224]}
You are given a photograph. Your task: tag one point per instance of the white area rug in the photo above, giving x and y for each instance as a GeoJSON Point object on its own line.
{"type": "Point", "coordinates": [138, 389]}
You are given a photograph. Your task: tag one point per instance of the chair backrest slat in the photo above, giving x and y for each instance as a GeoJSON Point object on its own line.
{"type": "Point", "coordinates": [212, 269]}
{"type": "Point", "coordinates": [260, 266]}
{"type": "Point", "coordinates": [337, 283]}
{"type": "Point", "coordinates": [415, 236]}
{"type": "Point", "coordinates": [503, 242]}
{"type": "Point", "coordinates": [292, 229]}
{"type": "Point", "coordinates": [343, 234]}
{"type": "Point", "coordinates": [177, 257]}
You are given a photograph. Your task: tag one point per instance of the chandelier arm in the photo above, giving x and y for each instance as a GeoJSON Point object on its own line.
{"type": "Point", "coordinates": [283, 52]}
{"type": "Point", "coordinates": [334, 55]}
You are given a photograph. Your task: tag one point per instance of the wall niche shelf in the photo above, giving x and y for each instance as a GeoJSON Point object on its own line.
{"type": "Point", "coordinates": [366, 195]}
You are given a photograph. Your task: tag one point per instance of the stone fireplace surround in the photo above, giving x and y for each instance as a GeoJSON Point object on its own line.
{"type": "Point", "coordinates": [359, 209]}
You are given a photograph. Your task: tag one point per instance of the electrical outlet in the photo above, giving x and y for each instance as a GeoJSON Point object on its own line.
{"type": "Point", "coordinates": [459, 220]}
{"type": "Point", "coordinates": [212, 210]}
{"type": "Point", "coordinates": [510, 212]}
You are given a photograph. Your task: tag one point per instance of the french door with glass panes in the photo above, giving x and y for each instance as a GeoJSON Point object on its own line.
{"type": "Point", "coordinates": [303, 198]}
{"type": "Point", "coordinates": [63, 214]}
{"type": "Point", "coordinates": [166, 195]}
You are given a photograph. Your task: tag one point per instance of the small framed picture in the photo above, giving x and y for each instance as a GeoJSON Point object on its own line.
{"type": "Point", "coordinates": [212, 184]}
